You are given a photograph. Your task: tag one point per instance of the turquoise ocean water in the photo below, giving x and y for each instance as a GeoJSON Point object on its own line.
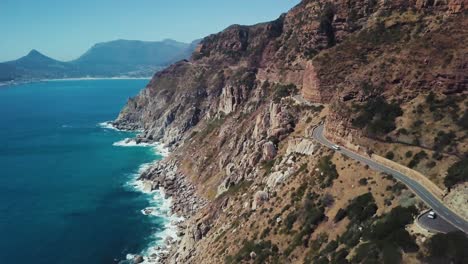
{"type": "Point", "coordinates": [66, 193]}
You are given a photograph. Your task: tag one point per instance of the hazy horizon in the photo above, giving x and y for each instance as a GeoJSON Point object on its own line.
{"type": "Point", "coordinates": [64, 30]}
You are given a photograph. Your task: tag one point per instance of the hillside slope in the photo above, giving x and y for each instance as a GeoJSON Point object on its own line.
{"type": "Point", "coordinates": [239, 115]}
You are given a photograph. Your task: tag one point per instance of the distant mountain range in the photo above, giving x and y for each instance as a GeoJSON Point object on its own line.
{"type": "Point", "coordinates": [131, 58]}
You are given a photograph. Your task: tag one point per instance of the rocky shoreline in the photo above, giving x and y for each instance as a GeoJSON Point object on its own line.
{"type": "Point", "coordinates": [164, 175]}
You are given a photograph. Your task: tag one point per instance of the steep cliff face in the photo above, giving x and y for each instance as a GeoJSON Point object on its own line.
{"type": "Point", "coordinates": [239, 114]}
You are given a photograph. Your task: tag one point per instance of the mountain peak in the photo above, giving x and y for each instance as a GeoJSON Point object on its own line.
{"type": "Point", "coordinates": [34, 57]}
{"type": "Point", "coordinates": [35, 52]}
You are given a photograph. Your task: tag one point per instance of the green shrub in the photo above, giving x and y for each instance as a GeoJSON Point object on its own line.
{"type": "Point", "coordinates": [290, 220]}
{"type": "Point", "coordinates": [339, 257]}
{"type": "Point", "coordinates": [437, 156]}
{"type": "Point", "coordinates": [361, 208]}
{"type": "Point", "coordinates": [312, 217]}
{"type": "Point", "coordinates": [403, 131]}
{"type": "Point", "coordinates": [268, 166]}
{"type": "Point", "coordinates": [367, 253]}
{"type": "Point", "coordinates": [327, 200]}
{"type": "Point", "coordinates": [320, 260]}
{"type": "Point", "coordinates": [297, 195]}
{"type": "Point", "coordinates": [363, 181]}
{"type": "Point", "coordinates": [448, 104]}
{"type": "Point", "coordinates": [378, 34]}
{"type": "Point", "coordinates": [397, 219]}
{"type": "Point", "coordinates": [326, 23]}
{"type": "Point", "coordinates": [457, 173]}
{"type": "Point", "coordinates": [377, 116]}
{"type": "Point", "coordinates": [264, 250]}
{"type": "Point", "coordinates": [330, 247]}
{"type": "Point", "coordinates": [448, 248]}
{"type": "Point", "coordinates": [281, 91]}
{"type": "Point", "coordinates": [265, 232]}
{"type": "Point", "coordinates": [339, 215]}
{"type": "Point", "coordinates": [390, 155]}
{"type": "Point", "coordinates": [391, 254]}
{"type": "Point", "coordinates": [417, 123]}
{"type": "Point", "coordinates": [463, 121]}
{"type": "Point", "coordinates": [403, 239]}
{"type": "Point", "coordinates": [351, 236]}
{"type": "Point", "coordinates": [431, 164]}
{"type": "Point", "coordinates": [398, 187]}
{"type": "Point", "coordinates": [326, 166]}
{"type": "Point", "coordinates": [417, 158]}
{"type": "Point", "coordinates": [384, 238]}
{"type": "Point", "coordinates": [430, 98]}
{"type": "Point", "coordinates": [443, 140]}
{"type": "Point", "coordinates": [236, 188]}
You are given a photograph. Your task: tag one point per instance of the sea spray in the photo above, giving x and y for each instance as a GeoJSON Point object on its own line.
{"type": "Point", "coordinates": [160, 207]}
{"type": "Point", "coordinates": [160, 211]}
{"type": "Point", "coordinates": [108, 125]}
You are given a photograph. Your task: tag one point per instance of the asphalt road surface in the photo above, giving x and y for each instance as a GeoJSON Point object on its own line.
{"type": "Point", "coordinates": [436, 205]}
{"type": "Point", "coordinates": [435, 225]}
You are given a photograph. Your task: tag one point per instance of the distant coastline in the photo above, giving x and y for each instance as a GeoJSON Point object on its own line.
{"type": "Point", "coordinates": [98, 78]}
{"type": "Point", "coordinates": [20, 82]}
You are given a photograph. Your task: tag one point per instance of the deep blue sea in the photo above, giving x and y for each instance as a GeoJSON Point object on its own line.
{"type": "Point", "coordinates": [65, 192]}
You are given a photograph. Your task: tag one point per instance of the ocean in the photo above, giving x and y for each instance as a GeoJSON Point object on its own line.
{"type": "Point", "coordinates": [67, 180]}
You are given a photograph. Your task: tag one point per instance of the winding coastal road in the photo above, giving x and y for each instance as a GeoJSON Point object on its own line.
{"type": "Point", "coordinates": [436, 205]}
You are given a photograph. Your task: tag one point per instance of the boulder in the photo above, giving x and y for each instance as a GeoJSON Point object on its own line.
{"type": "Point", "coordinates": [278, 177]}
{"type": "Point", "coordinates": [301, 146]}
{"type": "Point", "coordinates": [147, 186]}
{"type": "Point", "coordinates": [260, 198]}
{"type": "Point", "coordinates": [138, 259]}
{"type": "Point", "coordinates": [269, 150]}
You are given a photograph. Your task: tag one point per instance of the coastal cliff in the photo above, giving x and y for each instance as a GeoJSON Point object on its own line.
{"type": "Point", "coordinates": [238, 118]}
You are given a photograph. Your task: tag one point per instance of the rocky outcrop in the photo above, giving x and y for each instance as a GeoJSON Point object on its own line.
{"type": "Point", "coordinates": [260, 198]}
{"type": "Point", "coordinates": [301, 146]}
{"type": "Point", "coordinates": [228, 117]}
{"type": "Point", "coordinates": [138, 259]}
{"type": "Point", "coordinates": [164, 175]}
{"type": "Point", "coordinates": [269, 150]}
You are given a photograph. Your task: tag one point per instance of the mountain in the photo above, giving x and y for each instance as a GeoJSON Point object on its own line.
{"type": "Point", "coordinates": [107, 59]}
{"type": "Point", "coordinates": [7, 72]}
{"type": "Point", "coordinates": [34, 59]}
{"type": "Point", "coordinates": [125, 56]}
{"type": "Point", "coordinates": [387, 79]}
{"type": "Point", "coordinates": [37, 65]}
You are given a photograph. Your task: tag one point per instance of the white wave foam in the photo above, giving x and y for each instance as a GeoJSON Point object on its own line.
{"type": "Point", "coordinates": [159, 210]}
{"type": "Point", "coordinates": [108, 125]}
{"type": "Point", "coordinates": [7, 83]}
{"type": "Point", "coordinates": [129, 142]}
{"type": "Point", "coordinates": [170, 221]}
{"type": "Point", "coordinates": [139, 185]}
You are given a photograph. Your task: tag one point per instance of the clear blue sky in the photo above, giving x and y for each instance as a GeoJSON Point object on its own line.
{"type": "Point", "coordinates": [64, 29]}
